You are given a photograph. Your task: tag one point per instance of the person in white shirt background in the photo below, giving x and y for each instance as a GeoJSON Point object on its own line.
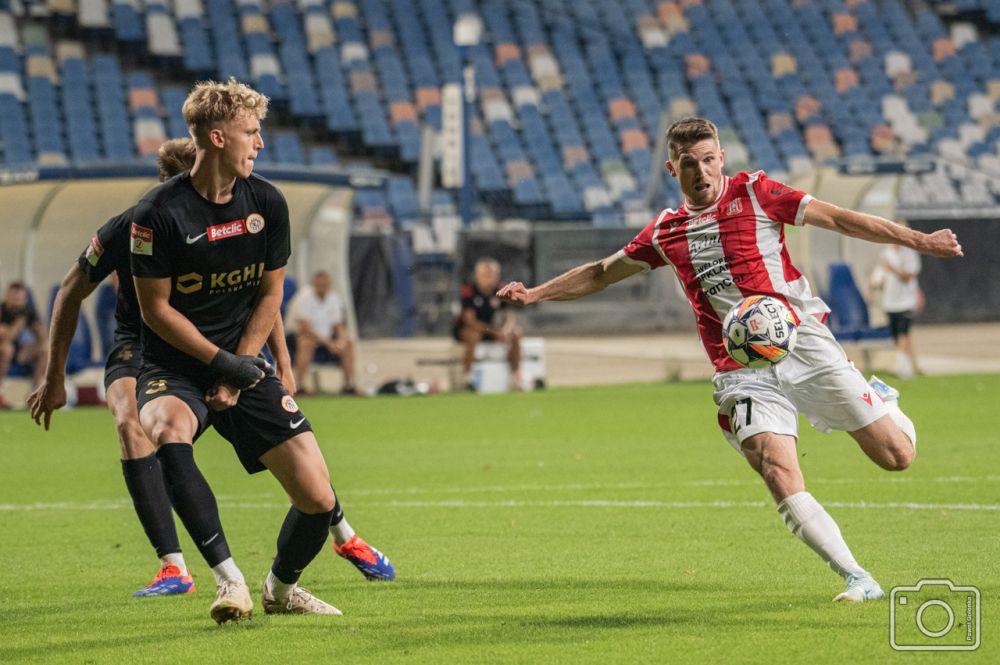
{"type": "Point", "coordinates": [316, 318]}
{"type": "Point", "coordinates": [901, 301]}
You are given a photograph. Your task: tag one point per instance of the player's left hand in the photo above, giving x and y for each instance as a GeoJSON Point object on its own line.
{"type": "Point", "coordinates": [943, 243]}
{"type": "Point", "coordinates": [48, 397]}
{"type": "Point", "coordinates": [222, 397]}
{"type": "Point", "coordinates": [287, 378]}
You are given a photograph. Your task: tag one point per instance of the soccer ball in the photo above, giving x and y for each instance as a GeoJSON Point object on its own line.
{"type": "Point", "coordinates": [759, 332]}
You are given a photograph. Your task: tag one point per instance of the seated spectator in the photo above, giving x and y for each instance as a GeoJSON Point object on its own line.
{"type": "Point", "coordinates": [22, 335]}
{"type": "Point", "coordinates": [316, 321]}
{"type": "Point", "coordinates": [478, 321]}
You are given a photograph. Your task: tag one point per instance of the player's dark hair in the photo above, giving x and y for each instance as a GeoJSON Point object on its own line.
{"type": "Point", "coordinates": [173, 157]}
{"type": "Point", "coordinates": [688, 131]}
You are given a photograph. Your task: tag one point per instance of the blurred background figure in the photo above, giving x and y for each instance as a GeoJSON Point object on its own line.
{"type": "Point", "coordinates": [901, 300]}
{"type": "Point", "coordinates": [317, 330]}
{"type": "Point", "coordinates": [478, 320]}
{"type": "Point", "coordinates": [22, 335]}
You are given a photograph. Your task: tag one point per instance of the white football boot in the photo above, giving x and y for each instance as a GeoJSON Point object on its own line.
{"type": "Point", "coordinates": [232, 602]}
{"type": "Point", "coordinates": [860, 589]}
{"type": "Point", "coordinates": [884, 390]}
{"type": "Point", "coordinates": [299, 601]}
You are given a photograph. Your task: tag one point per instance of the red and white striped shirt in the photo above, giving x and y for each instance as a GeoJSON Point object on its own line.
{"type": "Point", "coordinates": [729, 250]}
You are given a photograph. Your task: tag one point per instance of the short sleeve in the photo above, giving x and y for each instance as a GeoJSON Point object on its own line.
{"type": "Point", "coordinates": [780, 202]}
{"type": "Point", "coordinates": [101, 256]}
{"type": "Point", "coordinates": [149, 243]}
{"type": "Point", "coordinates": [642, 250]}
{"type": "Point", "coordinates": [467, 295]}
{"type": "Point", "coordinates": [279, 233]}
{"type": "Point", "coordinates": [911, 261]}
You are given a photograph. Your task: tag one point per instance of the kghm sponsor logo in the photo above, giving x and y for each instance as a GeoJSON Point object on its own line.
{"type": "Point", "coordinates": [221, 282]}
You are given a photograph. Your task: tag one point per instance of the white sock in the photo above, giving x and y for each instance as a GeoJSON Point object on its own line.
{"type": "Point", "coordinates": [278, 589]}
{"type": "Point", "coordinates": [341, 532]}
{"type": "Point", "coordinates": [177, 559]}
{"type": "Point", "coordinates": [809, 521]}
{"type": "Point", "coordinates": [902, 421]}
{"type": "Point", "coordinates": [227, 570]}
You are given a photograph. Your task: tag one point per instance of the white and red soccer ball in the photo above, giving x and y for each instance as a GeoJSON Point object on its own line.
{"type": "Point", "coordinates": [759, 332]}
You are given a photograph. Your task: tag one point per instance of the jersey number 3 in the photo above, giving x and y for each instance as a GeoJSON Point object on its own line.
{"type": "Point", "coordinates": [156, 386]}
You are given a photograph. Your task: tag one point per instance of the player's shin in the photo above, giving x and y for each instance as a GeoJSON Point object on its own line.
{"type": "Point", "coordinates": [810, 522]}
{"type": "Point", "coordinates": [195, 504]}
{"type": "Point", "coordinates": [301, 538]}
{"type": "Point", "coordinates": [144, 480]}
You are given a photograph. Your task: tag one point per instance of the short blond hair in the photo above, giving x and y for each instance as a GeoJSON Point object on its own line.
{"type": "Point", "coordinates": [688, 131]}
{"type": "Point", "coordinates": [210, 102]}
{"type": "Point", "coordinates": [173, 157]}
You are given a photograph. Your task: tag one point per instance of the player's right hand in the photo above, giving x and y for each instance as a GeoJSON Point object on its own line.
{"type": "Point", "coordinates": [241, 372]}
{"type": "Point", "coordinates": [515, 292]}
{"type": "Point", "coordinates": [48, 397]}
{"type": "Point", "coordinates": [222, 397]}
{"type": "Point", "coordinates": [943, 243]}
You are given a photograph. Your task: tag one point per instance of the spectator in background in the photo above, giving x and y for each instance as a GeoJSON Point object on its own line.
{"type": "Point", "coordinates": [478, 321]}
{"type": "Point", "coordinates": [317, 320]}
{"type": "Point", "coordinates": [22, 335]}
{"type": "Point", "coordinates": [901, 300]}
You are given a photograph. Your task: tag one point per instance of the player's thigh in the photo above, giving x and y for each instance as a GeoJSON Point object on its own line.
{"type": "Point", "coordinates": [299, 466]}
{"type": "Point", "coordinates": [774, 457]}
{"type": "Point", "coordinates": [168, 419]}
{"type": "Point", "coordinates": [751, 402]}
{"type": "Point", "coordinates": [122, 404]}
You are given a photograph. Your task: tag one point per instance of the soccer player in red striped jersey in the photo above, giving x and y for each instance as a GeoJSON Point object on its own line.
{"type": "Point", "coordinates": [726, 242]}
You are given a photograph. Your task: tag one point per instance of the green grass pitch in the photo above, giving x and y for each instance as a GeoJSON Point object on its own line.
{"type": "Point", "coordinates": [584, 525]}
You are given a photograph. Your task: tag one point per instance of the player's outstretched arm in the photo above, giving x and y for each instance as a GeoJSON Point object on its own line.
{"type": "Point", "coordinates": [575, 283]}
{"type": "Point", "coordinates": [941, 243]}
{"type": "Point", "coordinates": [51, 394]}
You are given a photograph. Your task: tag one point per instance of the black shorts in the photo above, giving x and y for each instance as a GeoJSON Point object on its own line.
{"type": "Point", "coordinates": [124, 362]}
{"type": "Point", "coordinates": [899, 323]}
{"type": "Point", "coordinates": [456, 332]}
{"type": "Point", "coordinates": [264, 416]}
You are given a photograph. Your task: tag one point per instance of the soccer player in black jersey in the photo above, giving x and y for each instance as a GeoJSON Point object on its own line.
{"type": "Point", "coordinates": [108, 252]}
{"type": "Point", "coordinates": [208, 252]}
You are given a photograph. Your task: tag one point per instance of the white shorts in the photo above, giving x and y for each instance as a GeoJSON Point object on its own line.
{"type": "Point", "coordinates": [816, 379]}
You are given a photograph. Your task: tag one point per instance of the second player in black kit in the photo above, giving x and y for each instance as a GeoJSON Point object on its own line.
{"type": "Point", "coordinates": [108, 252]}
{"type": "Point", "coordinates": [215, 256]}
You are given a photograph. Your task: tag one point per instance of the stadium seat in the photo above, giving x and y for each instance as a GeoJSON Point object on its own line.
{"type": "Point", "coordinates": [848, 310]}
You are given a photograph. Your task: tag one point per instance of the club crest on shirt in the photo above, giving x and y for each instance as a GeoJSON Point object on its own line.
{"type": "Point", "coordinates": [94, 251]}
{"type": "Point", "coordinates": [735, 207]}
{"type": "Point", "coordinates": [288, 404]}
{"type": "Point", "coordinates": [141, 240]}
{"type": "Point", "coordinates": [255, 222]}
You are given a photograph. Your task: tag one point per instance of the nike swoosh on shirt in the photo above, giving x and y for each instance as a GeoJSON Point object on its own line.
{"type": "Point", "coordinates": [195, 239]}
{"type": "Point", "coordinates": [295, 423]}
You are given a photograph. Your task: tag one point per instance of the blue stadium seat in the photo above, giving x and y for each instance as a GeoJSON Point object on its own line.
{"type": "Point", "coordinates": [848, 311]}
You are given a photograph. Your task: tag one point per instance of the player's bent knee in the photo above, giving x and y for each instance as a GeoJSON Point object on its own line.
{"type": "Point", "coordinates": [316, 502]}
{"type": "Point", "coordinates": [899, 455]}
{"type": "Point", "coordinates": [133, 440]}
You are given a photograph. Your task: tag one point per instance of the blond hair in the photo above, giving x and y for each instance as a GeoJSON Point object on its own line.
{"type": "Point", "coordinates": [210, 102]}
{"type": "Point", "coordinates": [688, 131]}
{"type": "Point", "coordinates": [173, 157]}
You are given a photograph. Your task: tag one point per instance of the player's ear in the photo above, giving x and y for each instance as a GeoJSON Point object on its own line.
{"type": "Point", "coordinates": [217, 137]}
{"type": "Point", "coordinates": [670, 169]}
{"type": "Point", "coordinates": [722, 156]}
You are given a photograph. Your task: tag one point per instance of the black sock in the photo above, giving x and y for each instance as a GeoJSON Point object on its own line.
{"type": "Point", "coordinates": [144, 481]}
{"type": "Point", "coordinates": [301, 538]}
{"type": "Point", "coordinates": [193, 500]}
{"type": "Point", "coordinates": [338, 512]}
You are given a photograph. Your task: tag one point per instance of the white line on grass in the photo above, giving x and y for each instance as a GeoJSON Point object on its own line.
{"type": "Point", "coordinates": [514, 503]}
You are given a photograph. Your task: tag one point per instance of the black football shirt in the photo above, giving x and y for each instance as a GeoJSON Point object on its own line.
{"type": "Point", "coordinates": [485, 305]}
{"type": "Point", "coordinates": [107, 253]}
{"type": "Point", "coordinates": [215, 256]}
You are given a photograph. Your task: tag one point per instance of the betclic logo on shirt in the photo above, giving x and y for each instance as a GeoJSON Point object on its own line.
{"type": "Point", "coordinates": [141, 240]}
{"type": "Point", "coordinates": [227, 230]}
